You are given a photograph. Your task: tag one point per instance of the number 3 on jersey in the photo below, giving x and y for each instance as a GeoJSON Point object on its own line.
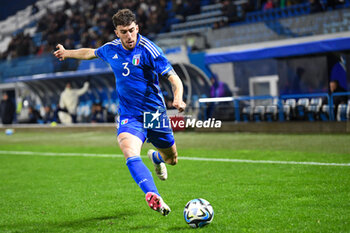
{"type": "Point", "coordinates": [126, 69]}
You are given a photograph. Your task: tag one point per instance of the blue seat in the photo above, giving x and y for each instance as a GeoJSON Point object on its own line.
{"type": "Point", "coordinates": [258, 113]}
{"type": "Point", "coordinates": [289, 109]}
{"type": "Point", "coordinates": [314, 109]}
{"type": "Point", "coordinates": [246, 113]}
{"type": "Point", "coordinates": [325, 113]}
{"type": "Point", "coordinates": [271, 113]}
{"type": "Point", "coordinates": [342, 112]}
{"type": "Point", "coordinates": [301, 108]}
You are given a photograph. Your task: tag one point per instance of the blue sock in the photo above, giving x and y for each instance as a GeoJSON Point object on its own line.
{"type": "Point", "coordinates": [157, 158]}
{"type": "Point", "coordinates": [141, 175]}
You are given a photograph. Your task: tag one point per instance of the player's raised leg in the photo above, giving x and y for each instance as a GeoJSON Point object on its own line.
{"type": "Point", "coordinates": [162, 156]}
{"type": "Point", "coordinates": [169, 155]}
{"type": "Point", "coordinates": [131, 148]}
{"type": "Point", "coordinates": [158, 163]}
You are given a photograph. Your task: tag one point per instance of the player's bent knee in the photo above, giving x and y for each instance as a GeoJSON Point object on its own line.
{"type": "Point", "coordinates": [169, 155]}
{"type": "Point", "coordinates": [173, 160]}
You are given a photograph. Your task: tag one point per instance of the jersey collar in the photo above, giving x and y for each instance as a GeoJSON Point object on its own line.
{"type": "Point", "coordinates": [138, 39]}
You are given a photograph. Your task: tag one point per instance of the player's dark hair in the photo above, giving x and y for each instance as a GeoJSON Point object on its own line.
{"type": "Point", "coordinates": [123, 17]}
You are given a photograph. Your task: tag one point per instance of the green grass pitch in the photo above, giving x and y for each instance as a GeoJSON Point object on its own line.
{"type": "Point", "coordinates": [97, 194]}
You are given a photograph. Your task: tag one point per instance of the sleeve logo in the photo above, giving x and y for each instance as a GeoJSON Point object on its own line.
{"type": "Point", "coordinates": [123, 122]}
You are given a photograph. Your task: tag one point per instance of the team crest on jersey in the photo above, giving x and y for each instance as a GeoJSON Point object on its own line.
{"type": "Point", "coordinates": [136, 59]}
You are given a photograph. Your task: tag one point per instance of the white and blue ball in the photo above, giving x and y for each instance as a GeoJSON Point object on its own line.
{"type": "Point", "coordinates": [198, 213]}
{"type": "Point", "coordinates": [9, 131]}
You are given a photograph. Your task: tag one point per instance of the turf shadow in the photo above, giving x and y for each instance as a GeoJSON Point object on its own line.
{"type": "Point", "coordinates": [182, 228]}
{"type": "Point", "coordinates": [72, 224]}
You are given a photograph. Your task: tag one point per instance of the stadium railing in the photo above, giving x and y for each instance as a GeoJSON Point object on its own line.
{"type": "Point", "coordinates": [301, 96]}
{"type": "Point", "coordinates": [331, 103]}
{"type": "Point", "coordinates": [237, 100]}
{"type": "Point", "coordinates": [252, 101]}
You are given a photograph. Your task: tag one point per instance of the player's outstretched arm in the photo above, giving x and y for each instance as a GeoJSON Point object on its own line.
{"type": "Point", "coordinates": [84, 54]}
{"type": "Point", "coordinates": [177, 88]}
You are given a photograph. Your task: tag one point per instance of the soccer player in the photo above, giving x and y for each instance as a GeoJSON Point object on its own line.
{"type": "Point", "coordinates": [136, 63]}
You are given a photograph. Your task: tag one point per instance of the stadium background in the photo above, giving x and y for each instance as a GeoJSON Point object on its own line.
{"type": "Point", "coordinates": [290, 175]}
{"type": "Point", "coordinates": [281, 53]}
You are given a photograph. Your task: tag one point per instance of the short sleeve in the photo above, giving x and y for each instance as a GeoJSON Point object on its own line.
{"type": "Point", "coordinates": [159, 62]}
{"type": "Point", "coordinates": [101, 53]}
{"type": "Point", "coordinates": [162, 65]}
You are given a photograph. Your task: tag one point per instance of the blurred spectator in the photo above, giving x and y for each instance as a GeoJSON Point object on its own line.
{"type": "Point", "coordinates": [334, 87]}
{"type": "Point", "coordinates": [85, 24]}
{"type": "Point", "coordinates": [69, 102]}
{"type": "Point", "coordinates": [66, 5]}
{"type": "Point", "coordinates": [338, 81]}
{"type": "Point", "coordinates": [49, 115]}
{"type": "Point", "coordinates": [142, 16]}
{"type": "Point", "coordinates": [219, 24]}
{"type": "Point", "coordinates": [35, 9]}
{"type": "Point", "coordinates": [33, 116]}
{"type": "Point", "coordinates": [179, 9]}
{"type": "Point", "coordinates": [20, 45]}
{"type": "Point", "coordinates": [251, 5]}
{"type": "Point", "coordinates": [229, 9]}
{"type": "Point", "coordinates": [332, 4]}
{"type": "Point", "coordinates": [282, 4]}
{"type": "Point", "coordinates": [298, 84]}
{"type": "Point", "coordinates": [218, 88]}
{"type": "Point", "coordinates": [193, 7]}
{"type": "Point", "coordinates": [268, 5]}
{"type": "Point", "coordinates": [153, 24]}
{"type": "Point", "coordinates": [7, 109]}
{"type": "Point", "coordinates": [98, 114]}
{"type": "Point", "coordinates": [315, 6]}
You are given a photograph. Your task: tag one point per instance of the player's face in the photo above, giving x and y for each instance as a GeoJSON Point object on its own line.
{"type": "Point", "coordinates": [128, 35]}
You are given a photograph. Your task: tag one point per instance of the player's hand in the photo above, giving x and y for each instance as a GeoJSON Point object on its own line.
{"type": "Point", "coordinates": [60, 53]}
{"type": "Point", "coordinates": [179, 105]}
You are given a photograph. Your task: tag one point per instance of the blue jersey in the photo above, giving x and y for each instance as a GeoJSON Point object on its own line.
{"type": "Point", "coordinates": [136, 73]}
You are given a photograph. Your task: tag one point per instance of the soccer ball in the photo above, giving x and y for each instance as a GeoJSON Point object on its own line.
{"type": "Point", "coordinates": [198, 213]}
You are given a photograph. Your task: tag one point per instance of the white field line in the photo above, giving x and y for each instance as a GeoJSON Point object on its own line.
{"type": "Point", "coordinates": [180, 158]}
